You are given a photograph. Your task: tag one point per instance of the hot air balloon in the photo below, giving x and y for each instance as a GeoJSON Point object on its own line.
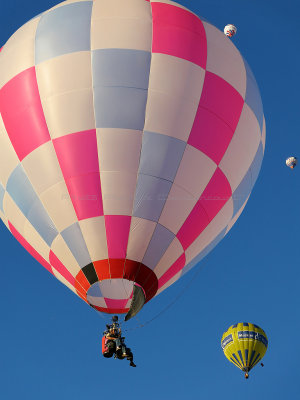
{"type": "Point", "coordinates": [131, 135]}
{"type": "Point", "coordinates": [244, 345]}
{"type": "Point", "coordinates": [291, 162]}
{"type": "Point", "coordinates": [230, 30]}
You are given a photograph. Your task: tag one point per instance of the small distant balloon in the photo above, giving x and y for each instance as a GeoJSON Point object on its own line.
{"type": "Point", "coordinates": [230, 30]}
{"type": "Point", "coordinates": [244, 344]}
{"type": "Point", "coordinates": [291, 162]}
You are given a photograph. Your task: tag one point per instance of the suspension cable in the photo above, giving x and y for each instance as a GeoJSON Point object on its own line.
{"type": "Point", "coordinates": [187, 285]}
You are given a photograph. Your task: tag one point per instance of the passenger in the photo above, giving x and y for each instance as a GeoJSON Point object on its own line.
{"type": "Point", "coordinates": [113, 343]}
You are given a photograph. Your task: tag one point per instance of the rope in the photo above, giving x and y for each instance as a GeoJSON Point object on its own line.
{"type": "Point", "coordinates": [167, 307]}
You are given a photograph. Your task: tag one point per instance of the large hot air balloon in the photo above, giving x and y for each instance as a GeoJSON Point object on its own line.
{"type": "Point", "coordinates": [131, 135]}
{"type": "Point", "coordinates": [244, 345]}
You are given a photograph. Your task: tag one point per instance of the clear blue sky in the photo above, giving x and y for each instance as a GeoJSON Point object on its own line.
{"type": "Point", "coordinates": [50, 339]}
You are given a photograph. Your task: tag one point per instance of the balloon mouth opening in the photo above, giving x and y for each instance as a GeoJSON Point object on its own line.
{"type": "Point", "coordinates": [107, 285]}
{"type": "Point", "coordinates": [115, 295]}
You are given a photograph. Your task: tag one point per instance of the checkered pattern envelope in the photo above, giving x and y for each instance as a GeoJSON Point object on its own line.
{"type": "Point", "coordinates": [131, 135]}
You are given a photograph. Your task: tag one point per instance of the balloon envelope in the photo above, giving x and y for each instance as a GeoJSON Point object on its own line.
{"type": "Point", "coordinates": [131, 135]}
{"type": "Point", "coordinates": [244, 344]}
{"type": "Point", "coordinates": [291, 162]}
{"type": "Point", "coordinates": [230, 30]}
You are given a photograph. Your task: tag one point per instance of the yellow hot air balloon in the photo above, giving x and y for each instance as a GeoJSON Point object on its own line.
{"type": "Point", "coordinates": [244, 344]}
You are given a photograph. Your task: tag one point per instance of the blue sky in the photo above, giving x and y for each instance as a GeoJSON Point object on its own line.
{"type": "Point", "coordinates": [50, 339]}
